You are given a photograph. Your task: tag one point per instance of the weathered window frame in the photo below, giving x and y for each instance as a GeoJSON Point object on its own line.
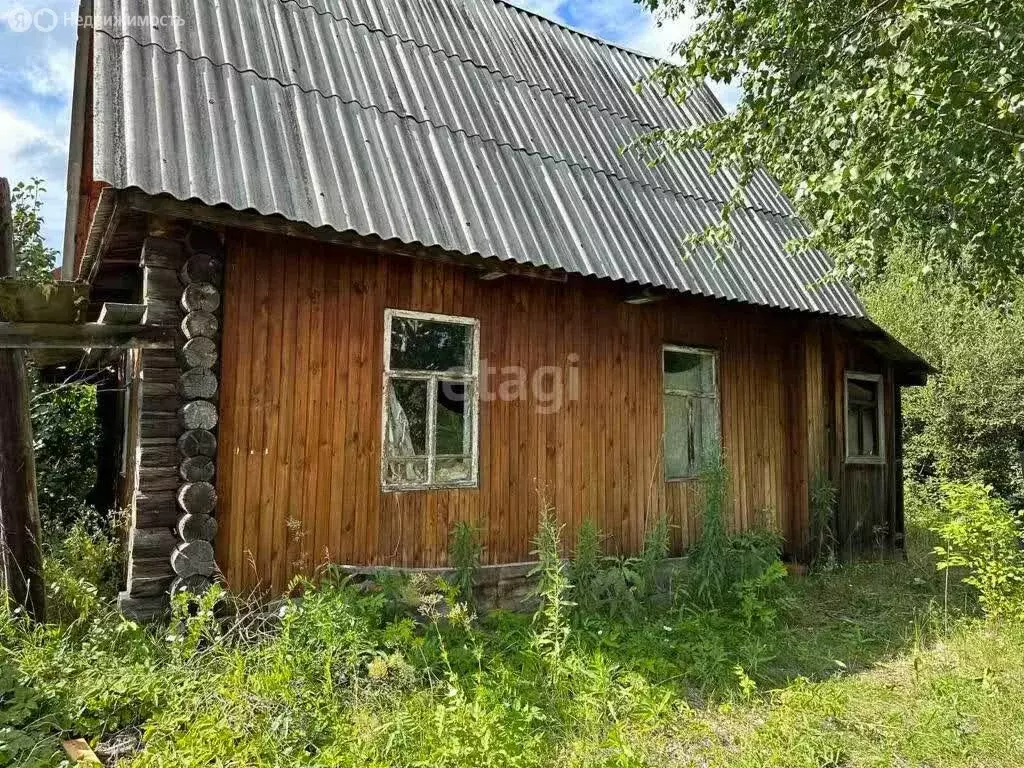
{"type": "Point", "coordinates": [715, 395]}
{"type": "Point", "coordinates": [878, 381]}
{"type": "Point", "coordinates": [470, 380]}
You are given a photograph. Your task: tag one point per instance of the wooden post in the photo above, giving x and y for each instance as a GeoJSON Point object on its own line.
{"type": "Point", "coordinates": [19, 509]}
{"type": "Point", "coordinates": [8, 263]}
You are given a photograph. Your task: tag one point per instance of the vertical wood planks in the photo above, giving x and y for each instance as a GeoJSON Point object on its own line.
{"type": "Point", "coordinates": [300, 437]}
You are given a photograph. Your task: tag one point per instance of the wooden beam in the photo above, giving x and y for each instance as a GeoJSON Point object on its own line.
{"type": "Point", "coordinates": [79, 752]}
{"type": "Point", "coordinates": [25, 301]}
{"type": "Point", "coordinates": [20, 538]}
{"type": "Point", "coordinates": [85, 336]}
{"type": "Point", "coordinates": [228, 217]}
{"type": "Point", "coordinates": [646, 296]}
{"type": "Point", "coordinates": [8, 266]}
{"type": "Point", "coordinates": [102, 228]}
{"type": "Point", "coordinates": [114, 313]}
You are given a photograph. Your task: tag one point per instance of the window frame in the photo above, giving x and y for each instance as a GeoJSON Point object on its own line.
{"type": "Point", "coordinates": [666, 392]}
{"type": "Point", "coordinates": [879, 381]}
{"type": "Point", "coordinates": [471, 379]}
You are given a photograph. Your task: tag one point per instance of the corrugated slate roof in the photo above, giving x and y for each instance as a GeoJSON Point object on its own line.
{"type": "Point", "coordinates": [465, 124]}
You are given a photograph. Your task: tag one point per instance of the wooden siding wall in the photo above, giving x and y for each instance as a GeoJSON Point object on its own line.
{"type": "Point", "coordinates": [299, 437]}
{"type": "Point", "coordinates": [868, 518]}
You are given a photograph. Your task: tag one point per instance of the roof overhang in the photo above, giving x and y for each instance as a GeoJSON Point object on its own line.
{"type": "Point", "coordinates": [911, 369]}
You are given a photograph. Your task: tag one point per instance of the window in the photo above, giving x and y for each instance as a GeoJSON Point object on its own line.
{"type": "Point", "coordinates": [691, 410]}
{"type": "Point", "coordinates": [864, 434]}
{"type": "Point", "coordinates": [431, 366]}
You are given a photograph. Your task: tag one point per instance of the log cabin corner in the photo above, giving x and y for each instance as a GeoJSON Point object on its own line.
{"type": "Point", "coordinates": [412, 280]}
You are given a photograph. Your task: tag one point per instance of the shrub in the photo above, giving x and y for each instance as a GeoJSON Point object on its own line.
{"type": "Point", "coordinates": [82, 572]}
{"type": "Point", "coordinates": [34, 258]}
{"type": "Point", "coordinates": [751, 553]}
{"type": "Point", "coordinates": [758, 595]}
{"type": "Point", "coordinates": [983, 535]}
{"type": "Point", "coordinates": [619, 586]}
{"type": "Point", "coordinates": [616, 585]}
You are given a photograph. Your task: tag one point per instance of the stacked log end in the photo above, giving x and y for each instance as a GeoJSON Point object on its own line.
{"type": "Point", "coordinates": [174, 522]}
{"type": "Point", "coordinates": [201, 277]}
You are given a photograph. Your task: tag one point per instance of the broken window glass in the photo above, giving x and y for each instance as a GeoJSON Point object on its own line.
{"type": "Point", "coordinates": [430, 401]}
{"type": "Point", "coordinates": [426, 345]}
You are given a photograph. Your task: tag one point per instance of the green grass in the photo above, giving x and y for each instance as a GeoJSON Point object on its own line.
{"type": "Point", "coordinates": [873, 664]}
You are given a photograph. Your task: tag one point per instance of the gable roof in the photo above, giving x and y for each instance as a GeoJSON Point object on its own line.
{"type": "Point", "coordinates": [470, 125]}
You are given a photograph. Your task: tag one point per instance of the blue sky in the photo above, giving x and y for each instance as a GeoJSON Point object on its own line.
{"type": "Point", "coordinates": [36, 73]}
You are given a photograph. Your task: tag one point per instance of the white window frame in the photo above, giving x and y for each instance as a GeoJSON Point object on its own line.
{"type": "Point", "coordinates": [472, 381]}
{"type": "Point", "coordinates": [879, 381]}
{"type": "Point", "coordinates": [665, 391]}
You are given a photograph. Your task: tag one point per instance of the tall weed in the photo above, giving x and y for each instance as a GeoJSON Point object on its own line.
{"type": "Point", "coordinates": [550, 622]}
{"type": "Point", "coordinates": [824, 501]}
{"type": "Point", "coordinates": [465, 553]}
{"type": "Point", "coordinates": [709, 556]}
{"type": "Point", "coordinates": [657, 545]}
{"type": "Point", "coordinates": [585, 567]}
{"type": "Point", "coordinates": [348, 676]}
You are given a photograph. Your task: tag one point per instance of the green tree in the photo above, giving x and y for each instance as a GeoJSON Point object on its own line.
{"type": "Point", "coordinates": [35, 259]}
{"type": "Point", "coordinates": [886, 121]}
{"type": "Point", "coordinates": [66, 437]}
{"type": "Point", "coordinates": [63, 417]}
{"type": "Point", "coordinates": [967, 424]}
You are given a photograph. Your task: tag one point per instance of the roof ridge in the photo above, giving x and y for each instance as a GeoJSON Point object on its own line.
{"type": "Point", "coordinates": [576, 31]}
{"type": "Point", "coordinates": [307, 5]}
{"type": "Point", "coordinates": [454, 130]}
{"type": "Point", "coordinates": [601, 41]}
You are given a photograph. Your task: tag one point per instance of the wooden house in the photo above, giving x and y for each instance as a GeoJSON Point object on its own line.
{"type": "Point", "coordinates": [413, 281]}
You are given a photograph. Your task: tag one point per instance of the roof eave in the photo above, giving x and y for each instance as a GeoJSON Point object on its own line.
{"type": "Point", "coordinates": [76, 143]}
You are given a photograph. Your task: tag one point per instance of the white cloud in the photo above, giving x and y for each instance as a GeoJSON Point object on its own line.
{"type": "Point", "coordinates": [20, 136]}
{"type": "Point", "coordinates": [54, 73]}
{"type": "Point", "coordinates": [31, 149]}
{"type": "Point", "coordinates": [36, 81]}
{"type": "Point", "coordinates": [656, 37]}
{"type": "Point", "coordinates": [547, 8]}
